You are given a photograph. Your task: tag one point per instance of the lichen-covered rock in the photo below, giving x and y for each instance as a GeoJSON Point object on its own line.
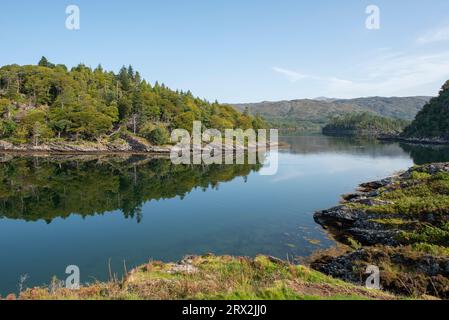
{"type": "Point", "coordinates": [418, 274]}
{"type": "Point", "coordinates": [402, 225]}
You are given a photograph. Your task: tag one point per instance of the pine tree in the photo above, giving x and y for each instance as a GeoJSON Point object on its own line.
{"type": "Point", "coordinates": [45, 63]}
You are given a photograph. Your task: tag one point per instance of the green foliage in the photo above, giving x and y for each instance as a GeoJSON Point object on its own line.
{"type": "Point", "coordinates": [38, 103]}
{"type": "Point", "coordinates": [428, 234]}
{"type": "Point", "coordinates": [45, 63]}
{"type": "Point", "coordinates": [159, 135]}
{"type": "Point", "coordinates": [430, 249]}
{"type": "Point", "coordinates": [364, 123]}
{"type": "Point", "coordinates": [424, 194]}
{"type": "Point", "coordinates": [417, 205]}
{"type": "Point", "coordinates": [433, 120]}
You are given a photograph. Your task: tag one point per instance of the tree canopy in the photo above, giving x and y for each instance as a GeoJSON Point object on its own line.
{"type": "Point", "coordinates": [364, 123]}
{"type": "Point", "coordinates": [47, 101]}
{"type": "Point", "coordinates": [433, 120]}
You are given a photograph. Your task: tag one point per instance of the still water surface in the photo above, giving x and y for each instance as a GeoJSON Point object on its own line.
{"type": "Point", "coordinates": [88, 210]}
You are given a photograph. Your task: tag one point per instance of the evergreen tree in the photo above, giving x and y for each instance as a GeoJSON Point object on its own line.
{"type": "Point", "coordinates": [433, 120]}
{"type": "Point", "coordinates": [45, 63]}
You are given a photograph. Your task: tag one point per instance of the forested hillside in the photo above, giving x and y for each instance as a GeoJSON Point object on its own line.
{"type": "Point", "coordinates": [433, 121]}
{"type": "Point", "coordinates": [45, 102]}
{"type": "Point", "coordinates": [365, 123]}
{"type": "Point", "coordinates": [308, 114]}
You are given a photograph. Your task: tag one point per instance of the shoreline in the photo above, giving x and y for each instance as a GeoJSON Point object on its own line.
{"type": "Point", "coordinates": [397, 225]}
{"type": "Point", "coordinates": [415, 141]}
{"type": "Point", "coordinates": [211, 277]}
{"type": "Point", "coordinates": [93, 148]}
{"type": "Point", "coordinates": [387, 138]}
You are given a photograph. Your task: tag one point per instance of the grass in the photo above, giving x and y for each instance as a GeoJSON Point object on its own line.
{"type": "Point", "coordinates": [408, 203]}
{"type": "Point", "coordinates": [419, 194]}
{"type": "Point", "coordinates": [413, 210]}
{"type": "Point", "coordinates": [431, 249]}
{"type": "Point", "coordinates": [212, 277]}
{"type": "Point", "coordinates": [401, 270]}
{"type": "Point", "coordinates": [428, 234]}
{"type": "Point", "coordinates": [390, 221]}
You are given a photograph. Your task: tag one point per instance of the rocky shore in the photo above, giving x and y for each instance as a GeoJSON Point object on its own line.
{"type": "Point", "coordinates": [372, 133]}
{"type": "Point", "coordinates": [400, 224]}
{"type": "Point", "coordinates": [129, 144]}
{"type": "Point", "coordinates": [422, 141]}
{"type": "Point", "coordinates": [125, 145]}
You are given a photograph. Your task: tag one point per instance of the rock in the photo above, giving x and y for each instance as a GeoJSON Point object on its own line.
{"type": "Point", "coordinates": [165, 150]}
{"type": "Point", "coordinates": [183, 268]}
{"type": "Point", "coordinates": [407, 269]}
{"type": "Point", "coordinates": [119, 145]}
{"type": "Point", "coordinates": [372, 202]}
{"type": "Point", "coordinates": [428, 272]}
{"type": "Point", "coordinates": [373, 237]}
{"type": "Point", "coordinates": [340, 215]}
{"type": "Point", "coordinates": [137, 143]}
{"type": "Point", "coordinates": [4, 145]}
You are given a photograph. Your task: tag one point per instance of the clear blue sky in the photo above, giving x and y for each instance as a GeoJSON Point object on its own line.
{"type": "Point", "coordinates": [243, 51]}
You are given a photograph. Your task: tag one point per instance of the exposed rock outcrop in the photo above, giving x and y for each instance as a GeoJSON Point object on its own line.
{"type": "Point", "coordinates": [128, 145]}
{"type": "Point", "coordinates": [399, 224]}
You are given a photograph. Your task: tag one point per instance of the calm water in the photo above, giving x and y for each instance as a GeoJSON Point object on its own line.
{"type": "Point", "coordinates": [86, 211]}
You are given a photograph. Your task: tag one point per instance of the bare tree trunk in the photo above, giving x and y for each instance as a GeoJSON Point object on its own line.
{"type": "Point", "coordinates": [134, 123]}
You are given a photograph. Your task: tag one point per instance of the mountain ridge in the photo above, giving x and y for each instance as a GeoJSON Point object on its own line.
{"type": "Point", "coordinates": [313, 114]}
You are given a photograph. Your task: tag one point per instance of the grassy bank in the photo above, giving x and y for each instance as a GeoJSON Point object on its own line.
{"type": "Point", "coordinates": [400, 224]}
{"type": "Point", "coordinates": [212, 277]}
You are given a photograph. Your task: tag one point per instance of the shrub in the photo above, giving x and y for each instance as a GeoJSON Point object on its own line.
{"type": "Point", "coordinates": [159, 135]}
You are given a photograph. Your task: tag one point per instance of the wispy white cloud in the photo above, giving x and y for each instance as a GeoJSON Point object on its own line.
{"type": "Point", "coordinates": [387, 73]}
{"type": "Point", "coordinates": [397, 74]}
{"type": "Point", "coordinates": [436, 35]}
{"type": "Point", "coordinates": [295, 76]}
{"type": "Point", "coordinates": [291, 75]}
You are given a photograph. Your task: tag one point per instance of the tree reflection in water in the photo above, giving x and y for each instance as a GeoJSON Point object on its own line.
{"type": "Point", "coordinates": [44, 188]}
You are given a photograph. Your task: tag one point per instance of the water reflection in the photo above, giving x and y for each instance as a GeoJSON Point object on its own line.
{"type": "Point", "coordinates": [426, 154]}
{"type": "Point", "coordinates": [44, 188]}
{"type": "Point", "coordinates": [346, 145]}
{"type": "Point", "coordinates": [420, 154]}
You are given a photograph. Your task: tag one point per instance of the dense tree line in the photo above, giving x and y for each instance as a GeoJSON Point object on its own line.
{"type": "Point", "coordinates": [42, 102]}
{"type": "Point", "coordinates": [364, 123]}
{"type": "Point", "coordinates": [433, 120]}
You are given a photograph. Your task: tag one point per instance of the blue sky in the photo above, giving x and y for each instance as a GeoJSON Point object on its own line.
{"type": "Point", "coordinates": [243, 51]}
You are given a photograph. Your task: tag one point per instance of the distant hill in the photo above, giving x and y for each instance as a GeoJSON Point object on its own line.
{"type": "Point", "coordinates": [432, 122]}
{"type": "Point", "coordinates": [313, 114]}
